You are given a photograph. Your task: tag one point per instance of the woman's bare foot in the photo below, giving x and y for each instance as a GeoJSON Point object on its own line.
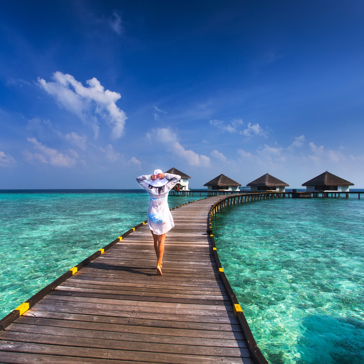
{"type": "Point", "coordinates": [159, 270]}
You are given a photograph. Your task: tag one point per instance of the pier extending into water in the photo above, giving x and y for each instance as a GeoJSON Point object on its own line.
{"type": "Point", "coordinates": [271, 194]}
{"type": "Point", "coordinates": [117, 309]}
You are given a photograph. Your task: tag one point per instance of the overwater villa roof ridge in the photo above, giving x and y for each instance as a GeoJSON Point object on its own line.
{"type": "Point", "coordinates": [268, 180]}
{"type": "Point", "coordinates": [328, 179]}
{"type": "Point", "coordinates": [174, 170]}
{"type": "Point", "coordinates": [222, 181]}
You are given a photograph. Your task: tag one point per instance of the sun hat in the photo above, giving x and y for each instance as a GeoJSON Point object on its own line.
{"type": "Point", "coordinates": [158, 182]}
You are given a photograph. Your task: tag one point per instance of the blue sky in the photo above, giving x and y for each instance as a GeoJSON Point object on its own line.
{"type": "Point", "coordinates": [95, 93]}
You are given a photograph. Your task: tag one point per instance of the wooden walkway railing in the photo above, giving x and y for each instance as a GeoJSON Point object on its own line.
{"type": "Point", "coordinates": [117, 309]}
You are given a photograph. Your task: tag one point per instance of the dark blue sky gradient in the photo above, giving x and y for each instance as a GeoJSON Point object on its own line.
{"type": "Point", "coordinates": [290, 72]}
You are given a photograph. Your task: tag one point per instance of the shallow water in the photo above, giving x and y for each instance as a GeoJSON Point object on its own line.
{"type": "Point", "coordinates": [297, 268]}
{"type": "Point", "coordinates": [42, 235]}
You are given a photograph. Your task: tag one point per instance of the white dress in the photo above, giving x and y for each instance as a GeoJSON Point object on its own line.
{"type": "Point", "coordinates": [160, 219]}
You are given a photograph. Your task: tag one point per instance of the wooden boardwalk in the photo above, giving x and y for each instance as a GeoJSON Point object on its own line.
{"type": "Point", "coordinates": [117, 309]}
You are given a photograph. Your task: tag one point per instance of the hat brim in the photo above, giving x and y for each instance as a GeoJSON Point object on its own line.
{"type": "Point", "coordinates": [158, 182]}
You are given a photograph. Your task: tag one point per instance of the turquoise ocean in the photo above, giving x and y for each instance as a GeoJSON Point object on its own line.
{"type": "Point", "coordinates": [297, 266]}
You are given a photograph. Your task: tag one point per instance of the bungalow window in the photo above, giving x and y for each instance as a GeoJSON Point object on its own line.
{"type": "Point", "coordinates": [323, 188]}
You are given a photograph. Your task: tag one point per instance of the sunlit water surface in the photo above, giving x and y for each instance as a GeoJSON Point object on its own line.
{"type": "Point", "coordinates": [297, 268]}
{"type": "Point", "coordinates": [42, 235]}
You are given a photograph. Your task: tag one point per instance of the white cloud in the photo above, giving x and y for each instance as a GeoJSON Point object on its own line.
{"type": "Point", "coordinates": [79, 141]}
{"type": "Point", "coordinates": [48, 155]}
{"type": "Point", "coordinates": [219, 156]}
{"type": "Point", "coordinates": [273, 156]}
{"type": "Point", "coordinates": [87, 103]}
{"type": "Point", "coordinates": [112, 155]}
{"type": "Point", "coordinates": [276, 156]}
{"type": "Point", "coordinates": [135, 162]}
{"type": "Point", "coordinates": [318, 152]}
{"type": "Point", "coordinates": [297, 142]}
{"type": "Point", "coordinates": [268, 151]}
{"type": "Point", "coordinates": [115, 23]}
{"type": "Point", "coordinates": [243, 154]}
{"type": "Point", "coordinates": [315, 149]}
{"type": "Point", "coordinates": [157, 112]}
{"type": "Point", "coordinates": [230, 128]}
{"type": "Point", "coordinates": [253, 130]}
{"type": "Point", "coordinates": [43, 129]}
{"type": "Point", "coordinates": [233, 127]}
{"type": "Point", "coordinates": [169, 139]}
{"type": "Point", "coordinates": [18, 82]}
{"type": "Point", "coordinates": [336, 156]}
{"type": "Point", "coordinates": [6, 160]}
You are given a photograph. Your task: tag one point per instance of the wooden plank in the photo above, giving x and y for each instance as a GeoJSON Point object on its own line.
{"type": "Point", "coordinates": [25, 358]}
{"type": "Point", "coordinates": [143, 293]}
{"type": "Point", "coordinates": [182, 285]}
{"type": "Point", "coordinates": [169, 305]}
{"type": "Point", "coordinates": [78, 323]}
{"type": "Point", "coordinates": [103, 353]}
{"type": "Point", "coordinates": [161, 338]}
{"type": "Point", "coordinates": [69, 308]}
{"type": "Point", "coordinates": [143, 298]}
{"type": "Point", "coordinates": [153, 279]}
{"type": "Point", "coordinates": [144, 290]}
{"type": "Point", "coordinates": [220, 327]}
{"type": "Point", "coordinates": [120, 345]}
{"type": "Point", "coordinates": [136, 308]}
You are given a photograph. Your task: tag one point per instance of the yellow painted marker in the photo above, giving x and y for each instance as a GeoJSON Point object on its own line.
{"type": "Point", "coordinates": [237, 309]}
{"type": "Point", "coordinates": [23, 308]}
{"type": "Point", "coordinates": [214, 248]}
{"type": "Point", "coordinates": [120, 238]}
{"type": "Point", "coordinates": [221, 270]}
{"type": "Point", "coordinates": [73, 270]}
{"type": "Point", "coordinates": [102, 251]}
{"type": "Point", "coordinates": [133, 229]}
{"type": "Point", "coordinates": [211, 235]}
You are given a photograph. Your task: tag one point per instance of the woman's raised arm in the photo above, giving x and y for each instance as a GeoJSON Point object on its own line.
{"type": "Point", "coordinates": [142, 180]}
{"type": "Point", "coordinates": [173, 180]}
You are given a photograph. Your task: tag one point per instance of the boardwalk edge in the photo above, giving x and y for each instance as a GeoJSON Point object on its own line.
{"type": "Point", "coordinates": [256, 354]}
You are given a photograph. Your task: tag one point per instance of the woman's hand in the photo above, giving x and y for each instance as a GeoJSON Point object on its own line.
{"type": "Point", "coordinates": [153, 177]}
{"type": "Point", "coordinates": [160, 175]}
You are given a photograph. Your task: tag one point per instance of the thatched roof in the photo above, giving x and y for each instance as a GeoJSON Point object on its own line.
{"type": "Point", "coordinates": [176, 171]}
{"type": "Point", "coordinates": [327, 179]}
{"type": "Point", "coordinates": [222, 181]}
{"type": "Point", "coordinates": [267, 181]}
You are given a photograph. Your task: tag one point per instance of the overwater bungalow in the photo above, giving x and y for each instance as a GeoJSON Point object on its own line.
{"type": "Point", "coordinates": [222, 183]}
{"type": "Point", "coordinates": [327, 182]}
{"type": "Point", "coordinates": [183, 184]}
{"type": "Point", "coordinates": [268, 182]}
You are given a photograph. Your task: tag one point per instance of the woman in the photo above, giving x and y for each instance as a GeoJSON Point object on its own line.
{"type": "Point", "coordinates": [160, 219]}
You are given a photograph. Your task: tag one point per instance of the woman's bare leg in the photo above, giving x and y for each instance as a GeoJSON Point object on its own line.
{"type": "Point", "coordinates": [161, 239]}
{"type": "Point", "coordinates": [159, 249]}
{"type": "Point", "coordinates": [155, 238]}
